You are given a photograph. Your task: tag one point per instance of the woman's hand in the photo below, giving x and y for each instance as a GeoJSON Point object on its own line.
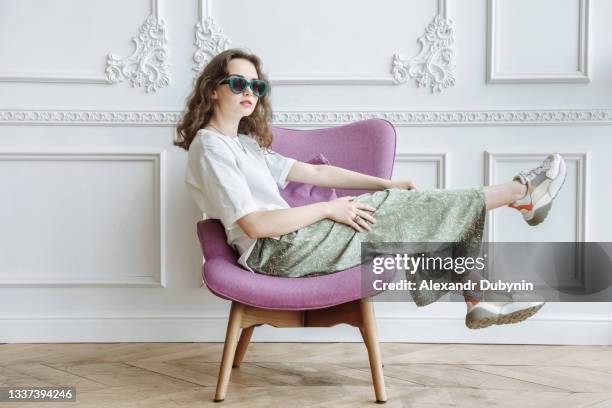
{"type": "Point", "coordinates": [343, 210]}
{"type": "Point", "coordinates": [406, 185]}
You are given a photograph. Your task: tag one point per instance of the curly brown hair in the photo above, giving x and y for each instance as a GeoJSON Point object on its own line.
{"type": "Point", "coordinates": [200, 106]}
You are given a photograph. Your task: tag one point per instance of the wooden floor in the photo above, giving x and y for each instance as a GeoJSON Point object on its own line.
{"type": "Point", "coordinates": [314, 375]}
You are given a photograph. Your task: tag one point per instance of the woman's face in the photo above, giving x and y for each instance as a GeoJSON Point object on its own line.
{"type": "Point", "coordinates": [237, 104]}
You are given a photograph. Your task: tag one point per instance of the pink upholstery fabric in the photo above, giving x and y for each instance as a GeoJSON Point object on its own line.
{"type": "Point", "coordinates": [367, 146]}
{"type": "Point", "coordinates": [296, 194]}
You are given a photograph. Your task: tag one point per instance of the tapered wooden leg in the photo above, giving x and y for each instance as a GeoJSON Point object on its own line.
{"type": "Point", "coordinates": [371, 340]}
{"type": "Point", "coordinates": [243, 343]}
{"type": "Point", "coordinates": [363, 336]}
{"type": "Point", "coordinates": [229, 349]}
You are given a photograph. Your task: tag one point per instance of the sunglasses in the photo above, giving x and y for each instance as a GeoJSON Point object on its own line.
{"type": "Point", "coordinates": [238, 84]}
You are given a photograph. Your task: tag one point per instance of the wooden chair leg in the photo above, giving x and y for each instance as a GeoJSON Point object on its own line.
{"type": "Point", "coordinates": [368, 331]}
{"type": "Point", "coordinates": [365, 341]}
{"type": "Point", "coordinates": [363, 336]}
{"type": "Point", "coordinates": [243, 343]}
{"type": "Point", "coordinates": [229, 349]}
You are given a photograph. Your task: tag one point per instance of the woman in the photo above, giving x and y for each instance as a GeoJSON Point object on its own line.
{"type": "Point", "coordinates": [234, 177]}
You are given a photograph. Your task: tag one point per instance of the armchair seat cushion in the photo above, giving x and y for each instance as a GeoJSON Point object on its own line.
{"type": "Point", "coordinates": [227, 279]}
{"type": "Point", "coordinates": [272, 292]}
{"type": "Point", "coordinates": [279, 292]}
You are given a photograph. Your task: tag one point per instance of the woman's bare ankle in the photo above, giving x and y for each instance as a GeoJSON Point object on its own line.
{"type": "Point", "coordinates": [520, 190]}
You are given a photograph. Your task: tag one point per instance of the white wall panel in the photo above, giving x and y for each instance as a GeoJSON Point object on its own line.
{"type": "Point", "coordinates": [538, 41]}
{"type": "Point", "coordinates": [307, 28]}
{"type": "Point", "coordinates": [84, 219]}
{"type": "Point", "coordinates": [65, 40]}
{"type": "Point", "coordinates": [136, 277]}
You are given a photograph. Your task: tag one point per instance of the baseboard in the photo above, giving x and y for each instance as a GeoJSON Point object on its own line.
{"type": "Point", "coordinates": [610, 328]}
{"type": "Point", "coordinates": [556, 329]}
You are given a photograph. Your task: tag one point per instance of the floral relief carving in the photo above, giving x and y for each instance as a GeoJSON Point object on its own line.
{"type": "Point", "coordinates": [433, 64]}
{"type": "Point", "coordinates": [210, 40]}
{"type": "Point", "coordinates": [146, 67]}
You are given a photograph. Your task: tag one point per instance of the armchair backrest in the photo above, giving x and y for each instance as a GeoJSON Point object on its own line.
{"type": "Point", "coordinates": [366, 146]}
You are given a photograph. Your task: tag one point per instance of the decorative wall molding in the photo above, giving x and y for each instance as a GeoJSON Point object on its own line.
{"type": "Point", "coordinates": [592, 116]}
{"type": "Point", "coordinates": [581, 159]}
{"type": "Point", "coordinates": [89, 117]}
{"type": "Point", "coordinates": [449, 118]}
{"type": "Point", "coordinates": [145, 67]}
{"type": "Point", "coordinates": [579, 76]}
{"type": "Point", "coordinates": [209, 37]}
{"type": "Point", "coordinates": [158, 159]}
{"type": "Point", "coordinates": [432, 65]}
{"type": "Point", "coordinates": [439, 159]}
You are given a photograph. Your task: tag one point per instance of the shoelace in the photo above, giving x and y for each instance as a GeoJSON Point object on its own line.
{"type": "Point", "coordinates": [531, 174]}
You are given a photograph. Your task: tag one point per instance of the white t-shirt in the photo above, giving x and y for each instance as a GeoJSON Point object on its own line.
{"type": "Point", "coordinates": [227, 183]}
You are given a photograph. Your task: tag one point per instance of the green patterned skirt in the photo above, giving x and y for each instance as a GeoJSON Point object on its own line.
{"type": "Point", "coordinates": [327, 246]}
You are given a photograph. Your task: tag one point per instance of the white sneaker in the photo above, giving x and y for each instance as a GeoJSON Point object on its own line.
{"type": "Point", "coordinates": [543, 184]}
{"type": "Point", "coordinates": [483, 314]}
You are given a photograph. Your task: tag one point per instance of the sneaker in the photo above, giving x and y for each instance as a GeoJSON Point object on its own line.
{"type": "Point", "coordinates": [543, 184]}
{"type": "Point", "coordinates": [483, 314]}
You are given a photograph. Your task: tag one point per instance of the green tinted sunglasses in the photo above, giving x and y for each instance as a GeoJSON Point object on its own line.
{"type": "Point", "coordinates": [238, 84]}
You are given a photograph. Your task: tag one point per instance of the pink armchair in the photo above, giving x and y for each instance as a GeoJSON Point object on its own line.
{"type": "Point", "coordinates": [366, 146]}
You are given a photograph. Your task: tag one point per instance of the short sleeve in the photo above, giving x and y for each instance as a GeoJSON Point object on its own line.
{"type": "Point", "coordinates": [279, 166]}
{"type": "Point", "coordinates": [226, 192]}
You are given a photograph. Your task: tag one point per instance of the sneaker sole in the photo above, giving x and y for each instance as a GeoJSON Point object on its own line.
{"type": "Point", "coordinates": [519, 315]}
{"type": "Point", "coordinates": [485, 319]}
{"type": "Point", "coordinates": [541, 213]}
{"type": "Point", "coordinates": [510, 318]}
{"type": "Point", "coordinates": [480, 323]}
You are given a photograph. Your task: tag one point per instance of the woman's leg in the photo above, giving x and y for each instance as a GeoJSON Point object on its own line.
{"type": "Point", "coordinates": [495, 196]}
{"type": "Point", "coordinates": [547, 174]}
{"type": "Point", "coordinates": [454, 216]}
{"type": "Point", "coordinates": [503, 194]}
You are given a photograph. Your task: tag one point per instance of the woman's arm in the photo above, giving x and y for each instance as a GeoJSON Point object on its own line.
{"type": "Point", "coordinates": [270, 223]}
{"type": "Point", "coordinates": [325, 175]}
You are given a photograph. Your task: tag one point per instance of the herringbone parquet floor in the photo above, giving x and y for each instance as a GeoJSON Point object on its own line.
{"type": "Point", "coordinates": [314, 375]}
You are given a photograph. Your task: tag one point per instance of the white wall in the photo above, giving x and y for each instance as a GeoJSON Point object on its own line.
{"type": "Point", "coordinates": [97, 230]}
